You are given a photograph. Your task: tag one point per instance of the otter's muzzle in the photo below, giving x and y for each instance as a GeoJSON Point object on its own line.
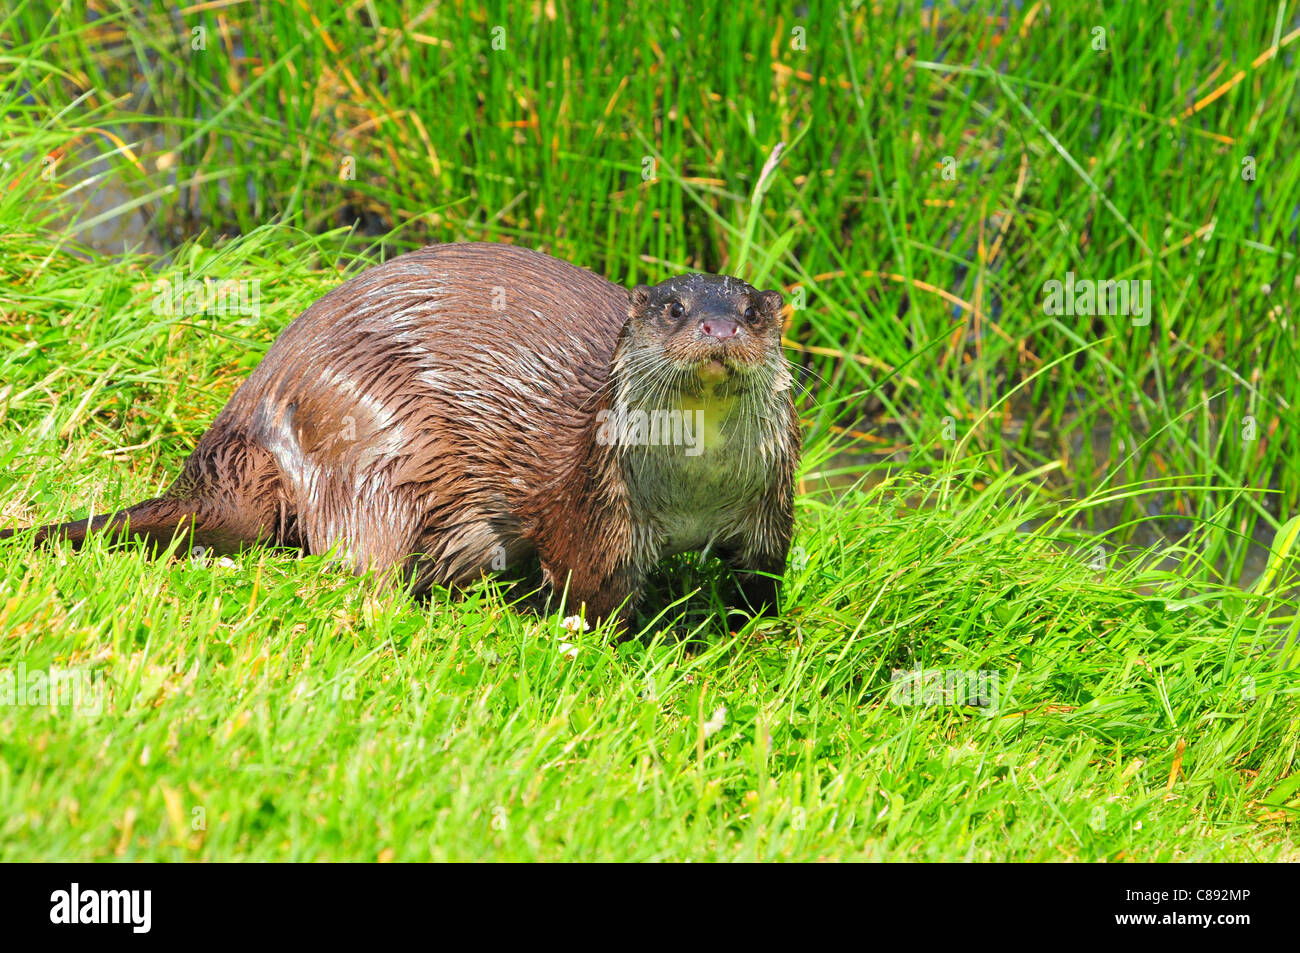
{"type": "Point", "coordinates": [719, 327]}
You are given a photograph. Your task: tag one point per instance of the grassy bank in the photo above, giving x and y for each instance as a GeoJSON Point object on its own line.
{"type": "Point", "coordinates": [1115, 696]}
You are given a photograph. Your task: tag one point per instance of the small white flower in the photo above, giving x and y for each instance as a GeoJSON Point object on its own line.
{"type": "Point", "coordinates": [574, 623]}
{"type": "Point", "coordinates": [714, 724]}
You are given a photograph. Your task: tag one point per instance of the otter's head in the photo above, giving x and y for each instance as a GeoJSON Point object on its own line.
{"type": "Point", "coordinates": [709, 328]}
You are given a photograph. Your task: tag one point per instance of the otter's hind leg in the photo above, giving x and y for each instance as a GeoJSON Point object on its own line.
{"type": "Point", "coordinates": [236, 497]}
{"type": "Point", "coordinates": [458, 555]}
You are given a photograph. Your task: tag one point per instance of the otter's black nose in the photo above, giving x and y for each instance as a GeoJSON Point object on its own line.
{"type": "Point", "coordinates": [719, 327]}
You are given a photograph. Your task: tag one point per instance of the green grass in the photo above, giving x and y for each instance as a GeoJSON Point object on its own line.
{"type": "Point", "coordinates": [960, 442]}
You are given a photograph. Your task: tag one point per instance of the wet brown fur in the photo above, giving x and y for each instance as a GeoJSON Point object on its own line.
{"type": "Point", "coordinates": [438, 415]}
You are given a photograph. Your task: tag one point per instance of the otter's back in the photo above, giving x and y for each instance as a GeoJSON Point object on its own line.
{"type": "Point", "coordinates": [465, 373]}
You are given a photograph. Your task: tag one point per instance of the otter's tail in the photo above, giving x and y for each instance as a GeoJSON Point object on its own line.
{"type": "Point", "coordinates": [157, 521]}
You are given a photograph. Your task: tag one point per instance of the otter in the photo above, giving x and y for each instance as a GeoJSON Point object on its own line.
{"type": "Point", "coordinates": [466, 407]}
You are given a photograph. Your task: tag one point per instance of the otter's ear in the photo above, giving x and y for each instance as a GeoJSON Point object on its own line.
{"type": "Point", "coordinates": [640, 296]}
{"type": "Point", "coordinates": [771, 301]}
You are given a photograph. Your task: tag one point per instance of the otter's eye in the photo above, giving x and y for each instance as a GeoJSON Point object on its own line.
{"type": "Point", "coordinates": [677, 310]}
{"type": "Point", "coordinates": [750, 313]}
